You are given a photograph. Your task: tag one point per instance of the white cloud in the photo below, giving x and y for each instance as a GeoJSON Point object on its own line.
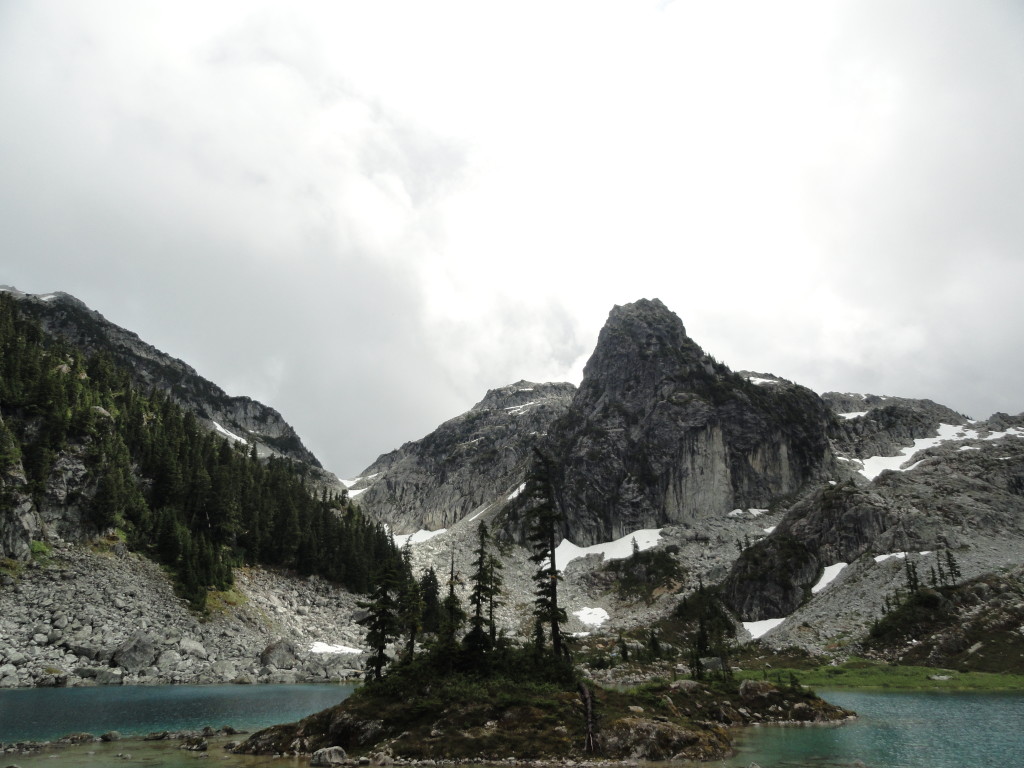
{"type": "Point", "coordinates": [368, 214]}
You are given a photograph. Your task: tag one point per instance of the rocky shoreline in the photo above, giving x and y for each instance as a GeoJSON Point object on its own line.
{"type": "Point", "coordinates": [85, 616]}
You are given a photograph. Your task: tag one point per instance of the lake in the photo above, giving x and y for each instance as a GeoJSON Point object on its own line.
{"type": "Point", "coordinates": [899, 730]}
{"type": "Point", "coordinates": [44, 714]}
{"type": "Point", "coordinates": [895, 730]}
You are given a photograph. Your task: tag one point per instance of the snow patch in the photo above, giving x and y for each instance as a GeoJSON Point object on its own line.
{"type": "Point", "coordinates": [883, 558]}
{"type": "Point", "coordinates": [350, 483]}
{"type": "Point", "coordinates": [566, 552]}
{"type": "Point", "coordinates": [874, 466]}
{"type": "Point", "coordinates": [831, 571]}
{"type": "Point", "coordinates": [482, 510]}
{"type": "Point", "coordinates": [229, 435]}
{"type": "Point", "coordinates": [592, 617]}
{"type": "Point", "coordinates": [759, 628]}
{"type": "Point", "coordinates": [769, 529]}
{"type": "Point", "coordinates": [759, 381]}
{"type": "Point", "coordinates": [519, 410]}
{"type": "Point", "coordinates": [517, 491]}
{"type": "Point", "coordinates": [416, 538]}
{"type": "Point", "coordinates": [319, 647]}
{"type": "Point", "coordinates": [851, 415]}
{"type": "Point", "coordinates": [752, 512]}
{"type": "Point", "coordinates": [353, 494]}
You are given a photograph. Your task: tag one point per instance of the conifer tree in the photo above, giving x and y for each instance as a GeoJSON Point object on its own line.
{"type": "Point", "coordinates": [952, 567]}
{"type": "Point", "coordinates": [482, 598]}
{"type": "Point", "coordinates": [545, 517]}
{"type": "Point", "coordinates": [382, 622]}
{"type": "Point", "coordinates": [430, 593]}
{"type": "Point", "coordinates": [452, 618]}
{"type": "Point", "coordinates": [410, 603]}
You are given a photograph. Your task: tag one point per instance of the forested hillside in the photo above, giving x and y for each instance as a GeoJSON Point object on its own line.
{"type": "Point", "coordinates": [147, 471]}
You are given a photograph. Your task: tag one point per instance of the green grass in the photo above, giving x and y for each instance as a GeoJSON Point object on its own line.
{"type": "Point", "coordinates": [872, 675]}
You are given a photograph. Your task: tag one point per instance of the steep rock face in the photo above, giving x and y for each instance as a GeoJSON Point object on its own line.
{"type": "Point", "coordinates": [965, 495]}
{"type": "Point", "coordinates": [828, 525]}
{"type": "Point", "coordinates": [471, 460]}
{"type": "Point", "coordinates": [19, 521]}
{"type": "Point", "coordinates": [660, 432]}
{"type": "Point", "coordinates": [64, 315]}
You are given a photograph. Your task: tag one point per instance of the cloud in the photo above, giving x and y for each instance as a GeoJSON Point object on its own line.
{"type": "Point", "coordinates": [366, 215]}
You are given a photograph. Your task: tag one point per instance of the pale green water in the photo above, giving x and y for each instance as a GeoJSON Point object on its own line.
{"type": "Point", "coordinates": [899, 730]}
{"type": "Point", "coordinates": [895, 730]}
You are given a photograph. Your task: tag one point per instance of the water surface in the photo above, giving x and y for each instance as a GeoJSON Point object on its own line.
{"type": "Point", "coordinates": [44, 714]}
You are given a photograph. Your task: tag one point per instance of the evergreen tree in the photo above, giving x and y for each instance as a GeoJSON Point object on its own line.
{"type": "Point", "coordinates": [482, 597]}
{"type": "Point", "coordinates": [952, 567]}
{"type": "Point", "coordinates": [430, 593]}
{"type": "Point", "coordinates": [410, 603]}
{"type": "Point", "coordinates": [545, 518]}
{"type": "Point", "coordinates": [382, 621]}
{"type": "Point", "coordinates": [453, 617]}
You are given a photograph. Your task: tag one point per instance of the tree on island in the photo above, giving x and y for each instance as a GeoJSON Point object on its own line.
{"type": "Point", "coordinates": [545, 519]}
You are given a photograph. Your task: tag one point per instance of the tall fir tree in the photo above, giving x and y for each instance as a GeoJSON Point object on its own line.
{"type": "Point", "coordinates": [483, 596]}
{"type": "Point", "coordinates": [382, 621]}
{"type": "Point", "coordinates": [545, 518]}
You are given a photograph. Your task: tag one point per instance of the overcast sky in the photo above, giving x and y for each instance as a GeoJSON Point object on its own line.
{"type": "Point", "coordinates": [366, 214]}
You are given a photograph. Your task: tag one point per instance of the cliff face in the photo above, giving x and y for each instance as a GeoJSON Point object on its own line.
{"type": "Point", "coordinates": [63, 315]}
{"type": "Point", "coordinates": [475, 459]}
{"type": "Point", "coordinates": [660, 433]}
{"type": "Point", "coordinates": [965, 494]}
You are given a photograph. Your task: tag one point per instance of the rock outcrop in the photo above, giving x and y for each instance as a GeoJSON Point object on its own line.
{"type": "Point", "coordinates": [468, 462]}
{"type": "Point", "coordinates": [661, 433]}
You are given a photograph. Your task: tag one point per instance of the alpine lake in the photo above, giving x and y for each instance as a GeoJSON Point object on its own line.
{"type": "Point", "coordinates": [894, 729]}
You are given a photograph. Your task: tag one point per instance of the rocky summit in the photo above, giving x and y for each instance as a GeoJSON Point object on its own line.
{"type": "Point", "coordinates": [660, 433]}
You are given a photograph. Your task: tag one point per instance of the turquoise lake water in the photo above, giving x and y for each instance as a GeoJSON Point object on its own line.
{"type": "Point", "coordinates": [44, 714]}
{"type": "Point", "coordinates": [899, 730]}
{"type": "Point", "coordinates": [894, 730]}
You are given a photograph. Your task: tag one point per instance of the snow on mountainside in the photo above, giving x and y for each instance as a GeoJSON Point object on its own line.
{"type": "Point", "coordinates": [239, 418]}
{"type": "Point", "coordinates": [951, 484]}
{"type": "Point", "coordinates": [802, 510]}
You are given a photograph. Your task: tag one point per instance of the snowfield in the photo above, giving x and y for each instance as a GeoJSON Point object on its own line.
{"type": "Point", "coordinates": [566, 552]}
{"type": "Point", "coordinates": [416, 538]}
{"type": "Point", "coordinates": [760, 628]}
{"type": "Point", "coordinates": [592, 617]}
{"type": "Point", "coordinates": [874, 466]}
{"type": "Point", "coordinates": [319, 647]}
{"type": "Point", "coordinates": [831, 571]}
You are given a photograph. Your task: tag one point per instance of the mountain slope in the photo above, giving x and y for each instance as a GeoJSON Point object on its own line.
{"type": "Point", "coordinates": [88, 331]}
{"type": "Point", "coordinates": [473, 460]}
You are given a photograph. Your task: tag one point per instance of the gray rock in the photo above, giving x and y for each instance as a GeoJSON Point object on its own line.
{"type": "Point", "coordinates": [329, 756]}
{"type": "Point", "coordinates": [109, 676]}
{"type": "Point", "coordinates": [193, 648]}
{"type": "Point", "coordinates": [465, 463]}
{"type": "Point", "coordinates": [168, 660]}
{"type": "Point", "coordinates": [281, 654]}
{"type": "Point", "coordinates": [136, 654]}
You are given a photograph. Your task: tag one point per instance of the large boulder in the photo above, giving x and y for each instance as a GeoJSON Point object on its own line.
{"type": "Point", "coordinates": [136, 654]}
{"type": "Point", "coordinates": [282, 653]}
{"type": "Point", "coordinates": [329, 756]}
